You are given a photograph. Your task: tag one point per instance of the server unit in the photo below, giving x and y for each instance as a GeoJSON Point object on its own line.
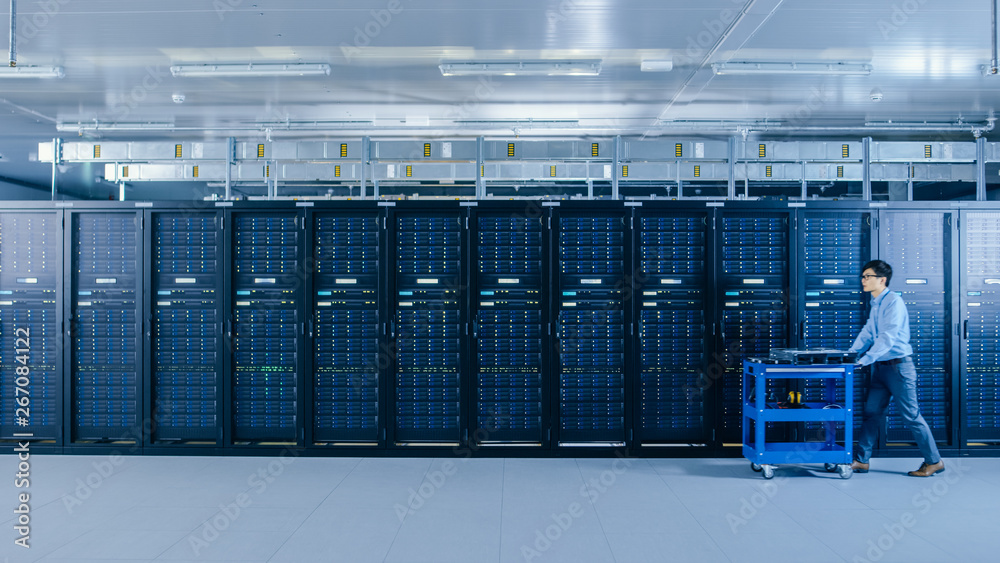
{"type": "Point", "coordinates": [104, 385]}
{"type": "Point", "coordinates": [266, 326]}
{"type": "Point", "coordinates": [186, 347]}
{"type": "Point", "coordinates": [753, 300]}
{"type": "Point", "coordinates": [508, 316]}
{"type": "Point", "coordinates": [427, 327]}
{"type": "Point", "coordinates": [670, 302]}
{"type": "Point", "coordinates": [30, 292]}
{"type": "Point", "coordinates": [980, 391]}
{"type": "Point", "coordinates": [345, 328]}
{"type": "Point", "coordinates": [590, 324]}
{"type": "Point", "coordinates": [917, 244]}
{"type": "Point", "coordinates": [835, 244]}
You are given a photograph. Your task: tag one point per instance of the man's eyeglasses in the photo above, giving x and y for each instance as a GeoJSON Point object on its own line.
{"type": "Point", "coordinates": [868, 276]}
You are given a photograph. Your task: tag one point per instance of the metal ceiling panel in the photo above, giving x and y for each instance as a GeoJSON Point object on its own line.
{"type": "Point", "coordinates": [385, 82]}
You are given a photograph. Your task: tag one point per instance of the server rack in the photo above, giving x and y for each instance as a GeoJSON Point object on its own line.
{"type": "Point", "coordinates": [428, 325]}
{"type": "Point", "coordinates": [753, 301]}
{"type": "Point", "coordinates": [104, 388]}
{"type": "Point", "coordinates": [30, 317]}
{"type": "Point", "coordinates": [835, 244]}
{"type": "Point", "coordinates": [671, 304]}
{"type": "Point", "coordinates": [980, 389]}
{"type": "Point", "coordinates": [186, 351]}
{"type": "Point", "coordinates": [509, 320]}
{"type": "Point", "coordinates": [918, 245]}
{"type": "Point", "coordinates": [266, 326]}
{"type": "Point", "coordinates": [591, 325]}
{"type": "Point", "coordinates": [346, 355]}
{"type": "Point", "coordinates": [105, 299]}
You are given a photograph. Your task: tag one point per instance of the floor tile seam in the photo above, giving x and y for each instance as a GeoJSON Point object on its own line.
{"type": "Point", "coordinates": [212, 515]}
{"type": "Point", "coordinates": [503, 476]}
{"type": "Point", "coordinates": [399, 528]}
{"type": "Point", "coordinates": [315, 508]}
{"type": "Point", "coordinates": [868, 508]}
{"type": "Point", "coordinates": [78, 536]}
{"type": "Point", "coordinates": [597, 513]}
{"type": "Point", "coordinates": [695, 518]}
{"type": "Point", "coordinates": [919, 535]}
{"type": "Point", "coordinates": [804, 529]}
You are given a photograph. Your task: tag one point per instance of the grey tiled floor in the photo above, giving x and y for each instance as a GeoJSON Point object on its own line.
{"type": "Point", "coordinates": [497, 510]}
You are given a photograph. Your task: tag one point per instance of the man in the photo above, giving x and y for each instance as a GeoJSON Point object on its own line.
{"type": "Point", "coordinates": [886, 336]}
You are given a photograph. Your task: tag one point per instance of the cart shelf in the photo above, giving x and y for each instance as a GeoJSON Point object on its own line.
{"type": "Point", "coordinates": [812, 412]}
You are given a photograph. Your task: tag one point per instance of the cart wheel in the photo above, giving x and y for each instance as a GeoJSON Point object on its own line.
{"type": "Point", "coordinates": [831, 467]}
{"type": "Point", "coordinates": [768, 472]}
{"type": "Point", "coordinates": [755, 467]}
{"type": "Point", "coordinates": [845, 471]}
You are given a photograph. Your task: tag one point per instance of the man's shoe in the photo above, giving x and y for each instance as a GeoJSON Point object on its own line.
{"type": "Point", "coordinates": [859, 467]}
{"type": "Point", "coordinates": [926, 470]}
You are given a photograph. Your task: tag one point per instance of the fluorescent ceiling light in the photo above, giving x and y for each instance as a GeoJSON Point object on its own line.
{"type": "Point", "coordinates": [113, 126]}
{"type": "Point", "coordinates": [523, 68]}
{"type": "Point", "coordinates": [657, 66]}
{"type": "Point", "coordinates": [860, 69]}
{"type": "Point", "coordinates": [250, 69]}
{"type": "Point", "coordinates": [31, 72]}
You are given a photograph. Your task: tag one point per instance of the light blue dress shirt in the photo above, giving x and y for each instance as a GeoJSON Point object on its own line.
{"type": "Point", "coordinates": [887, 331]}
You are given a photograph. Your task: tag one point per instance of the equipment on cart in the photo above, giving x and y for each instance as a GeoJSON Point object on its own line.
{"type": "Point", "coordinates": [812, 356]}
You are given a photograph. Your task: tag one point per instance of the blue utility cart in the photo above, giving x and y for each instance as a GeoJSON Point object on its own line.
{"type": "Point", "coordinates": [758, 411]}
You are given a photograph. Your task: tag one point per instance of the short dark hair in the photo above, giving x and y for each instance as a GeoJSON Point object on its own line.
{"type": "Point", "coordinates": [881, 269]}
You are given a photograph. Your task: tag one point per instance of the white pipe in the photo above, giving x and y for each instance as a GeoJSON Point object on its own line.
{"type": "Point", "coordinates": [993, 61]}
{"type": "Point", "coordinates": [56, 153]}
{"type": "Point", "coordinates": [13, 33]}
{"type": "Point", "coordinates": [230, 149]}
{"type": "Point", "coordinates": [735, 128]}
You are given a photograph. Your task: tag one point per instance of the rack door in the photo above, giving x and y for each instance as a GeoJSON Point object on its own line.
{"type": "Point", "coordinates": [590, 324]}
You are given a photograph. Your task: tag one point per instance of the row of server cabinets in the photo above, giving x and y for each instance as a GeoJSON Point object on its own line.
{"type": "Point", "coordinates": [535, 325]}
